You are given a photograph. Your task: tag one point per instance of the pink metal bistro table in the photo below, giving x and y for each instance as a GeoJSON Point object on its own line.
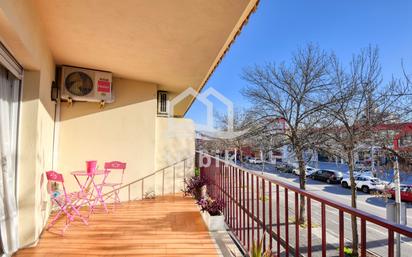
{"type": "Point", "coordinates": [96, 192]}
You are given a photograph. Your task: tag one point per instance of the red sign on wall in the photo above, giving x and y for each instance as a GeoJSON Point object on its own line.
{"type": "Point", "coordinates": [103, 86]}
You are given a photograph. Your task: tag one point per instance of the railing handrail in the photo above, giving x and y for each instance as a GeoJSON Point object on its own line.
{"type": "Point", "coordinates": [147, 176]}
{"type": "Point", "coordinates": [402, 229]}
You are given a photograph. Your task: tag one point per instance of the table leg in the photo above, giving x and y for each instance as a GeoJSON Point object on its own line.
{"type": "Point", "coordinates": [99, 196]}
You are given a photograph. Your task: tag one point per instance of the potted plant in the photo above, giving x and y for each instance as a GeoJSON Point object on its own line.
{"type": "Point", "coordinates": [211, 211]}
{"type": "Point", "coordinates": [195, 186]}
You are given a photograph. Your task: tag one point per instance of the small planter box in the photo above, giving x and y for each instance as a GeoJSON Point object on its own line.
{"type": "Point", "coordinates": [214, 223]}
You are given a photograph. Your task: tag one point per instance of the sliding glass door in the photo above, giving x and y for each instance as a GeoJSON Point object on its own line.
{"type": "Point", "coordinates": [9, 113]}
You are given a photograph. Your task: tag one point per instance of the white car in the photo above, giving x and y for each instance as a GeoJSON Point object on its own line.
{"type": "Point", "coordinates": [365, 183]}
{"type": "Point", "coordinates": [309, 170]}
{"type": "Point", "coordinates": [255, 161]}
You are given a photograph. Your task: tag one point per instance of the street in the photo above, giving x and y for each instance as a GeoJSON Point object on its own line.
{"type": "Point", "coordinates": [376, 235]}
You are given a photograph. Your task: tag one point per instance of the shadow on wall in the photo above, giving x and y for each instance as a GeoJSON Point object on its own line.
{"type": "Point", "coordinates": [175, 140]}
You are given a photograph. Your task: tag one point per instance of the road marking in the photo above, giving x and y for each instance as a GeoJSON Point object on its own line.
{"type": "Point", "coordinates": [346, 218]}
{"type": "Point", "coordinates": [321, 187]}
{"type": "Point", "coordinates": [364, 206]}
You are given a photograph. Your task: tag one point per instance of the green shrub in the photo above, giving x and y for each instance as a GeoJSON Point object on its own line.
{"type": "Point", "coordinates": [197, 172]}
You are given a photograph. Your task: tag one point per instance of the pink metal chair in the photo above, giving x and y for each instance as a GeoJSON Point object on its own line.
{"type": "Point", "coordinates": [68, 203]}
{"type": "Point", "coordinates": [114, 185]}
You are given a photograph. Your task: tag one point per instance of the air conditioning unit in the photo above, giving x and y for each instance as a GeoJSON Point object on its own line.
{"type": "Point", "coordinates": [162, 103]}
{"type": "Point", "coordinates": [86, 85]}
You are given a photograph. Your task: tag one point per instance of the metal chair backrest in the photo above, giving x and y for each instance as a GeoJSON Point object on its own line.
{"type": "Point", "coordinates": [53, 176]}
{"type": "Point", "coordinates": [115, 165]}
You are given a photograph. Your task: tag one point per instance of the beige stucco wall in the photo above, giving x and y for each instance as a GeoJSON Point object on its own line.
{"type": "Point", "coordinates": [20, 32]}
{"type": "Point", "coordinates": [127, 130]}
{"type": "Point", "coordinates": [175, 141]}
{"type": "Point", "coordinates": [122, 131]}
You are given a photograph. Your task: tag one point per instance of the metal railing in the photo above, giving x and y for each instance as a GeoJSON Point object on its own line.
{"type": "Point", "coordinates": [162, 171]}
{"type": "Point", "coordinates": [255, 208]}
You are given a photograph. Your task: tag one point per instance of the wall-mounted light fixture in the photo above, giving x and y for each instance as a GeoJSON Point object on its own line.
{"type": "Point", "coordinates": [54, 95]}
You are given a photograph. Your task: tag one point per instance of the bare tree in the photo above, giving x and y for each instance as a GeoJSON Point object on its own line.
{"type": "Point", "coordinates": [210, 145]}
{"type": "Point", "coordinates": [241, 123]}
{"type": "Point", "coordinates": [361, 105]}
{"type": "Point", "coordinates": [293, 93]}
{"type": "Point", "coordinates": [395, 127]}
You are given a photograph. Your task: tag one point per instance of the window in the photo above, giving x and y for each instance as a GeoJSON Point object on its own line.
{"type": "Point", "coordinates": [10, 74]}
{"type": "Point", "coordinates": [162, 103]}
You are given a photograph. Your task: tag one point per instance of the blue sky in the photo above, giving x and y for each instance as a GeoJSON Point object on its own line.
{"type": "Point", "coordinates": [279, 27]}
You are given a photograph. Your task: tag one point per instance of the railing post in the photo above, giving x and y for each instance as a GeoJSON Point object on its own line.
{"type": "Point", "coordinates": [270, 216]}
{"type": "Point", "coordinates": [277, 220]}
{"type": "Point", "coordinates": [184, 174]}
{"type": "Point", "coordinates": [244, 205]}
{"type": "Point", "coordinates": [257, 209]}
{"type": "Point", "coordinates": [253, 207]}
{"type": "Point", "coordinates": [309, 217]}
{"type": "Point", "coordinates": [233, 201]}
{"type": "Point", "coordinates": [390, 243]}
{"type": "Point", "coordinates": [129, 192]}
{"type": "Point", "coordinates": [363, 238]}
{"type": "Point", "coordinates": [174, 178]}
{"type": "Point", "coordinates": [209, 178]}
{"type": "Point", "coordinates": [264, 213]}
{"type": "Point", "coordinates": [222, 182]}
{"type": "Point", "coordinates": [163, 182]}
{"type": "Point", "coordinates": [323, 224]}
{"type": "Point", "coordinates": [231, 189]}
{"type": "Point", "coordinates": [142, 188]}
{"type": "Point", "coordinates": [219, 180]}
{"type": "Point", "coordinates": [227, 178]}
{"type": "Point", "coordinates": [296, 224]}
{"type": "Point", "coordinates": [225, 193]}
{"type": "Point", "coordinates": [236, 195]}
{"type": "Point", "coordinates": [239, 205]}
{"type": "Point", "coordinates": [341, 234]}
{"type": "Point", "coordinates": [286, 222]}
{"type": "Point", "coordinates": [248, 218]}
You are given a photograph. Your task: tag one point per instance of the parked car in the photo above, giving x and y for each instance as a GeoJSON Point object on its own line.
{"type": "Point", "coordinates": [255, 161]}
{"type": "Point", "coordinates": [330, 176]}
{"type": "Point", "coordinates": [365, 183]}
{"type": "Point", "coordinates": [308, 170]}
{"type": "Point", "coordinates": [284, 167]}
{"type": "Point", "coordinates": [406, 193]}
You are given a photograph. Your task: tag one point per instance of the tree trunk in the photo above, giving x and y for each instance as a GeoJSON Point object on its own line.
{"type": "Point", "coordinates": [353, 202]}
{"type": "Point", "coordinates": [302, 183]}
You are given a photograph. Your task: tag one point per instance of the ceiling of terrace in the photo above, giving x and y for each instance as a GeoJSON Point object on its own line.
{"type": "Point", "coordinates": [174, 44]}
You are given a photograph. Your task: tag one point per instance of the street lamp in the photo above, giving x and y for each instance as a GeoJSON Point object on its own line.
{"type": "Point", "coordinates": [396, 180]}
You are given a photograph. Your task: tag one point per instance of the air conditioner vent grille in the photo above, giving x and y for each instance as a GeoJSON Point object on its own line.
{"type": "Point", "coordinates": [79, 83]}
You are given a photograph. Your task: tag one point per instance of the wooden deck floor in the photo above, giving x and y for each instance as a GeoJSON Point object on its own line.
{"type": "Point", "coordinates": [166, 226]}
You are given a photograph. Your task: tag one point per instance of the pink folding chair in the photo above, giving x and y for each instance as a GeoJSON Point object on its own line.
{"type": "Point", "coordinates": [68, 203]}
{"type": "Point", "coordinates": [114, 185]}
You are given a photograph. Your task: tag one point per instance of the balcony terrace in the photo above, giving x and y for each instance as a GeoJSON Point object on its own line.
{"type": "Point", "coordinates": [164, 226]}
{"type": "Point", "coordinates": [255, 207]}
